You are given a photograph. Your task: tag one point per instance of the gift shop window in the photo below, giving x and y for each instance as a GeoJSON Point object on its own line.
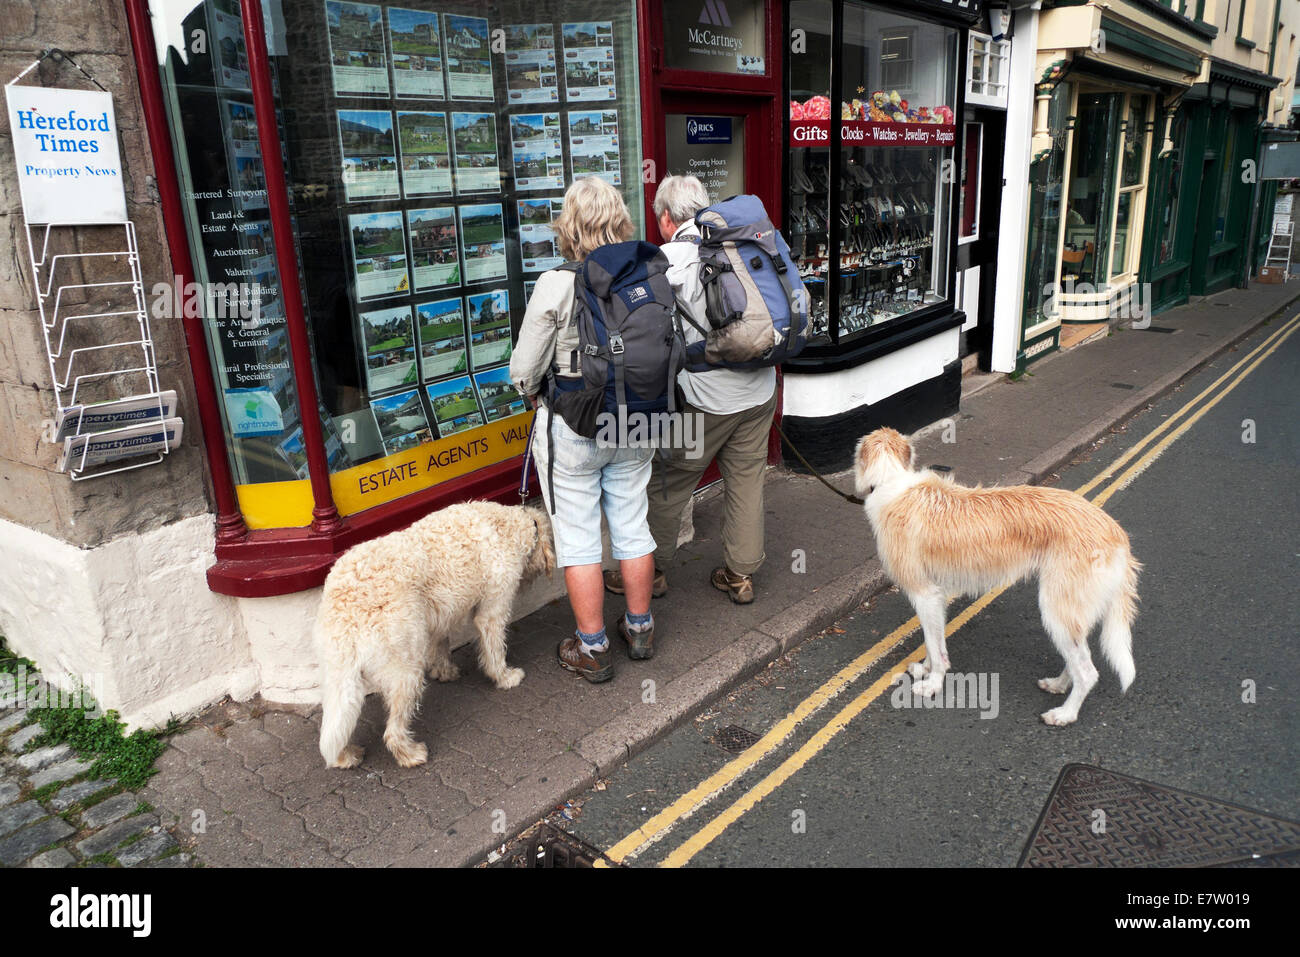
{"type": "Point", "coordinates": [870, 218]}
{"type": "Point", "coordinates": [427, 149]}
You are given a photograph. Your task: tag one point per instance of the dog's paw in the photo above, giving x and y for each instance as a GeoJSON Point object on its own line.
{"type": "Point", "coordinates": [444, 672]}
{"type": "Point", "coordinates": [928, 687]}
{"type": "Point", "coordinates": [511, 678]}
{"type": "Point", "coordinates": [1055, 685]}
{"type": "Point", "coordinates": [919, 669]}
{"type": "Point", "coordinates": [349, 757]}
{"type": "Point", "coordinates": [1058, 717]}
{"type": "Point", "coordinates": [411, 755]}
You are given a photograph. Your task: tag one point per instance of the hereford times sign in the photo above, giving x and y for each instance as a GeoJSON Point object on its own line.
{"type": "Point", "coordinates": [65, 150]}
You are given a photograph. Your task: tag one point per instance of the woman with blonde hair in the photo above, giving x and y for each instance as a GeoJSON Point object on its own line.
{"type": "Point", "coordinates": [584, 477]}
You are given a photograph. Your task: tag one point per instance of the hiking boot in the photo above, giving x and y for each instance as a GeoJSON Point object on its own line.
{"type": "Point", "coordinates": [640, 644]}
{"type": "Point", "coordinates": [574, 656]}
{"type": "Point", "coordinates": [614, 583]}
{"type": "Point", "coordinates": [740, 588]}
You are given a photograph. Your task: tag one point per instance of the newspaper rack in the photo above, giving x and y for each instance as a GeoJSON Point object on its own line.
{"type": "Point", "coordinates": [123, 429]}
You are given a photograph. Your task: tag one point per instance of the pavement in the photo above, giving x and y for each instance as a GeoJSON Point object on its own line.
{"type": "Point", "coordinates": [500, 760]}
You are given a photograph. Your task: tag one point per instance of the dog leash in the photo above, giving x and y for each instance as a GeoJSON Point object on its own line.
{"type": "Point", "coordinates": [851, 499]}
{"type": "Point", "coordinates": [528, 460]}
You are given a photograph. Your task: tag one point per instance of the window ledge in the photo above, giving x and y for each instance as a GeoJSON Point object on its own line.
{"type": "Point", "coordinates": [1243, 42]}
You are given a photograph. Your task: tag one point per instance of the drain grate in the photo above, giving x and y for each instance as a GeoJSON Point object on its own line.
{"type": "Point", "coordinates": [1149, 825]}
{"type": "Point", "coordinates": [1167, 329]}
{"type": "Point", "coordinates": [735, 739]}
{"type": "Point", "coordinates": [1122, 385]}
{"type": "Point", "coordinates": [552, 847]}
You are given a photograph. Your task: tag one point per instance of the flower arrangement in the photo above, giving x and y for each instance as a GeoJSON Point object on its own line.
{"type": "Point", "coordinates": [879, 107]}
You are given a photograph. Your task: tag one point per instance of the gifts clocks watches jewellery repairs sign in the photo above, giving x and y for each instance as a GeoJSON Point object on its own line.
{"type": "Point", "coordinates": [719, 36]}
{"type": "Point", "coordinates": [65, 147]}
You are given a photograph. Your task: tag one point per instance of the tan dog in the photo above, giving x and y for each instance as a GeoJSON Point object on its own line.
{"type": "Point", "coordinates": [938, 539]}
{"type": "Point", "coordinates": [389, 606]}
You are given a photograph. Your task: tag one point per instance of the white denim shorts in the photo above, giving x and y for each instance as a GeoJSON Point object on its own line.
{"type": "Point", "coordinates": [589, 478]}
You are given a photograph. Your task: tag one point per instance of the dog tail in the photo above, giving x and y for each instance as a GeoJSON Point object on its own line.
{"type": "Point", "coordinates": [1117, 624]}
{"type": "Point", "coordinates": [343, 694]}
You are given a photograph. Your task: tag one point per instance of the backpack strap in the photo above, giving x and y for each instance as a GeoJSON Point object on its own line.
{"type": "Point", "coordinates": [576, 269]}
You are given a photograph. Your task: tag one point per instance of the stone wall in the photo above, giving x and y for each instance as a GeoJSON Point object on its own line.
{"type": "Point", "coordinates": [32, 492]}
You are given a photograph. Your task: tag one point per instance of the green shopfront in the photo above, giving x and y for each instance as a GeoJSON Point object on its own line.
{"type": "Point", "coordinates": [1201, 236]}
{"type": "Point", "coordinates": [1109, 78]}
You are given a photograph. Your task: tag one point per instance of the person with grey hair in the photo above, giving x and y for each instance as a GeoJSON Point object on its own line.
{"type": "Point", "coordinates": [736, 406]}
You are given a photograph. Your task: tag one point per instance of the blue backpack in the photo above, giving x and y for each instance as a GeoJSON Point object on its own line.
{"type": "Point", "coordinates": [755, 302]}
{"type": "Point", "coordinates": [630, 346]}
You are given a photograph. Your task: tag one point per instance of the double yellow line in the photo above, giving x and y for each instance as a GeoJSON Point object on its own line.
{"type": "Point", "coordinates": [662, 823]}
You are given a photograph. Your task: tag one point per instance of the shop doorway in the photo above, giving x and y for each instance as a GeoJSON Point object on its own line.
{"type": "Point", "coordinates": [983, 140]}
{"type": "Point", "coordinates": [712, 106]}
{"type": "Point", "coordinates": [722, 140]}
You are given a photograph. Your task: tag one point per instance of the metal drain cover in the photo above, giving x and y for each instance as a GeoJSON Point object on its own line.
{"type": "Point", "coordinates": [735, 739]}
{"type": "Point", "coordinates": [552, 847]}
{"type": "Point", "coordinates": [1099, 818]}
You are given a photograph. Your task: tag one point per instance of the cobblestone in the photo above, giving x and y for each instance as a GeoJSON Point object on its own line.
{"type": "Point", "coordinates": [106, 812]}
{"type": "Point", "coordinates": [74, 793]}
{"type": "Point", "coordinates": [147, 847]}
{"type": "Point", "coordinates": [55, 857]}
{"type": "Point", "coordinates": [18, 847]}
{"type": "Point", "coordinates": [43, 757]}
{"type": "Point", "coordinates": [109, 838]}
{"type": "Point", "coordinates": [20, 815]}
{"type": "Point", "coordinates": [19, 740]}
{"type": "Point", "coordinates": [63, 771]}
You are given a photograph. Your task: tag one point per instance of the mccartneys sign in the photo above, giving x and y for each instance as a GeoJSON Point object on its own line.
{"type": "Point", "coordinates": [65, 150]}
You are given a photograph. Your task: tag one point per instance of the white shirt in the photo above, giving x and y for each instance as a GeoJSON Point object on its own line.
{"type": "Point", "coordinates": [719, 391]}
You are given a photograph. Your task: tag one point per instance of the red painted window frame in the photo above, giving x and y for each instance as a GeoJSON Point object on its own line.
{"type": "Point", "coordinates": [268, 562]}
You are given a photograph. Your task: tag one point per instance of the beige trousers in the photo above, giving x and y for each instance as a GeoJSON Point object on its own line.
{"type": "Point", "coordinates": [739, 443]}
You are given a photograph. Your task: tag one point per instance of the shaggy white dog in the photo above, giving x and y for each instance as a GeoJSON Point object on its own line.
{"type": "Point", "coordinates": [389, 606]}
{"type": "Point", "coordinates": [937, 538]}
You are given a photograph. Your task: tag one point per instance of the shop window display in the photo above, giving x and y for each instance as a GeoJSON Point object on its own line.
{"type": "Point", "coordinates": [870, 227]}
{"type": "Point", "coordinates": [1091, 189]}
{"type": "Point", "coordinates": [1046, 187]}
{"type": "Point", "coordinates": [1167, 218]}
{"type": "Point", "coordinates": [428, 144]}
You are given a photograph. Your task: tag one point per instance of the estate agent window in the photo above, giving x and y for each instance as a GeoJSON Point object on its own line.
{"type": "Point", "coordinates": [427, 147]}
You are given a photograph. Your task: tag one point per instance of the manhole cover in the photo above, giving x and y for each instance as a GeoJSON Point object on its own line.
{"type": "Point", "coordinates": [735, 739]}
{"type": "Point", "coordinates": [551, 847]}
{"type": "Point", "coordinates": [1098, 818]}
